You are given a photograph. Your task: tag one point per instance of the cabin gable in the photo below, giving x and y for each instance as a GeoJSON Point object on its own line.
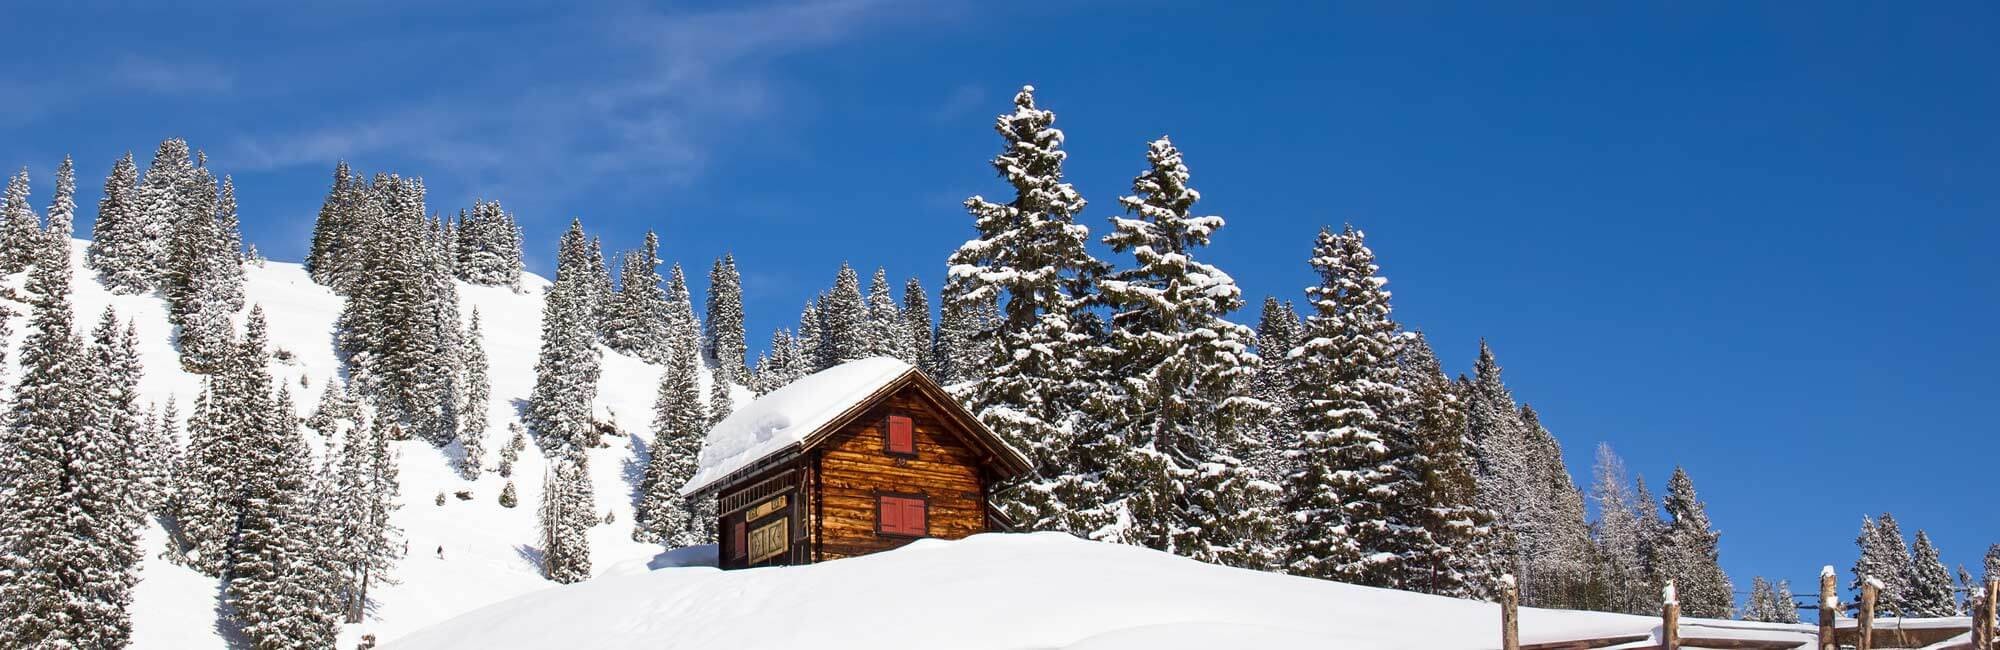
{"type": "Point", "coordinates": [875, 495]}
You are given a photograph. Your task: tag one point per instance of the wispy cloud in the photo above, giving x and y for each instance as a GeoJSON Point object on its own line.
{"type": "Point", "coordinates": [169, 77]}
{"type": "Point", "coordinates": [962, 100]}
{"type": "Point", "coordinates": [671, 88]}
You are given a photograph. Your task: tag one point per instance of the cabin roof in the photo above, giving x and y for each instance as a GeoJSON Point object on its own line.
{"type": "Point", "coordinates": [806, 412]}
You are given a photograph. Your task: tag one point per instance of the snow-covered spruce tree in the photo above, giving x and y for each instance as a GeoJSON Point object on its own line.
{"type": "Point", "coordinates": [1992, 562]}
{"type": "Point", "coordinates": [333, 232]}
{"type": "Point", "coordinates": [68, 531]}
{"type": "Point", "coordinates": [228, 246]}
{"type": "Point", "coordinates": [566, 371]}
{"type": "Point", "coordinates": [508, 498]}
{"type": "Point", "coordinates": [884, 324]}
{"type": "Point", "coordinates": [1758, 607]}
{"type": "Point", "coordinates": [683, 329]}
{"type": "Point", "coordinates": [1886, 559]}
{"type": "Point", "coordinates": [368, 543]}
{"type": "Point", "coordinates": [678, 426]}
{"type": "Point", "coordinates": [1499, 445]}
{"type": "Point", "coordinates": [489, 246]}
{"type": "Point", "coordinates": [1031, 253]}
{"type": "Point", "coordinates": [844, 311]}
{"type": "Point", "coordinates": [964, 335]}
{"type": "Point", "coordinates": [1617, 532]}
{"type": "Point", "coordinates": [20, 229]}
{"type": "Point", "coordinates": [277, 573]}
{"type": "Point", "coordinates": [566, 516]}
{"type": "Point", "coordinates": [780, 366]}
{"type": "Point", "coordinates": [917, 331]}
{"type": "Point", "coordinates": [113, 386]}
{"type": "Point", "coordinates": [162, 199]}
{"type": "Point", "coordinates": [1175, 412]}
{"type": "Point", "coordinates": [725, 340]}
{"type": "Point", "coordinates": [812, 338]}
{"type": "Point", "coordinates": [1277, 431]}
{"type": "Point", "coordinates": [478, 390]}
{"type": "Point", "coordinates": [62, 208]}
{"type": "Point", "coordinates": [600, 285]}
{"type": "Point", "coordinates": [1355, 496]}
{"type": "Point", "coordinates": [1466, 562]}
{"type": "Point", "coordinates": [720, 403]}
{"type": "Point", "coordinates": [1688, 556]}
{"type": "Point", "coordinates": [517, 440]}
{"type": "Point", "coordinates": [636, 321]}
{"type": "Point", "coordinates": [334, 408]}
{"type": "Point", "coordinates": [1930, 593]}
{"type": "Point", "coordinates": [1652, 529]}
{"type": "Point", "coordinates": [194, 235]}
{"type": "Point", "coordinates": [1557, 546]}
{"type": "Point", "coordinates": [1783, 607]}
{"type": "Point", "coordinates": [398, 329]}
{"type": "Point", "coordinates": [117, 246]}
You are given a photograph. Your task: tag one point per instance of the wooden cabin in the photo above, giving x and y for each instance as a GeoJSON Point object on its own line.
{"type": "Point", "coordinates": [859, 458]}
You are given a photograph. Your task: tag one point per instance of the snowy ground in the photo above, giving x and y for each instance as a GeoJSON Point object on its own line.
{"type": "Point", "coordinates": [994, 591]}
{"type": "Point", "coordinates": [488, 551]}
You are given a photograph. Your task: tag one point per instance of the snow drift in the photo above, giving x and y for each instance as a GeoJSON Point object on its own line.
{"type": "Point", "coordinates": [993, 591]}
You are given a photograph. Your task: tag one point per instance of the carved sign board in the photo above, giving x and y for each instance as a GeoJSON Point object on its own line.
{"type": "Point", "coordinates": [768, 507]}
{"type": "Point", "coordinates": [770, 540]}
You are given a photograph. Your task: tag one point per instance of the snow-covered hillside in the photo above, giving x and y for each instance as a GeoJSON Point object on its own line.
{"type": "Point", "coordinates": [488, 552]}
{"type": "Point", "coordinates": [994, 591]}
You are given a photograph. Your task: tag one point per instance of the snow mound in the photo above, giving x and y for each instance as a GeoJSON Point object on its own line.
{"type": "Point", "coordinates": [787, 415]}
{"type": "Point", "coordinates": [994, 591]}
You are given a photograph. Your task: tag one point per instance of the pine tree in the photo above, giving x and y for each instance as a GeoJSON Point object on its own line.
{"type": "Point", "coordinates": [1930, 592]}
{"type": "Point", "coordinates": [848, 335]}
{"type": "Point", "coordinates": [488, 246]}
{"type": "Point", "coordinates": [1783, 607]}
{"type": "Point", "coordinates": [117, 246]}
{"type": "Point", "coordinates": [62, 209]}
{"type": "Point", "coordinates": [398, 330]}
{"type": "Point", "coordinates": [478, 391]}
{"type": "Point", "coordinates": [566, 517]}
{"type": "Point", "coordinates": [1354, 495]}
{"type": "Point", "coordinates": [812, 339]}
{"type": "Point", "coordinates": [227, 249]}
{"type": "Point", "coordinates": [1652, 529]}
{"type": "Point", "coordinates": [883, 326]}
{"type": "Point", "coordinates": [68, 531]}
{"type": "Point", "coordinates": [966, 326]}
{"type": "Point", "coordinates": [1759, 608]}
{"type": "Point", "coordinates": [1031, 251]}
{"type": "Point", "coordinates": [599, 285]}
{"type": "Point", "coordinates": [274, 577]}
{"type": "Point", "coordinates": [1464, 559]}
{"type": "Point", "coordinates": [1558, 543]}
{"type": "Point", "coordinates": [1172, 420]}
{"type": "Point", "coordinates": [637, 317]}
{"type": "Point", "coordinates": [566, 372]}
{"type": "Point", "coordinates": [683, 329]}
{"type": "Point", "coordinates": [1967, 586]}
{"type": "Point", "coordinates": [517, 440]}
{"type": "Point", "coordinates": [1688, 554]}
{"type": "Point", "coordinates": [334, 230]}
{"type": "Point", "coordinates": [678, 428]}
{"type": "Point", "coordinates": [720, 403]}
{"type": "Point", "coordinates": [368, 543]}
{"type": "Point", "coordinates": [725, 339]}
{"type": "Point", "coordinates": [917, 331]}
{"type": "Point", "coordinates": [507, 497]}
{"type": "Point", "coordinates": [1277, 335]}
{"type": "Point", "coordinates": [164, 197]}
{"type": "Point", "coordinates": [1885, 559]}
{"type": "Point", "coordinates": [20, 229]}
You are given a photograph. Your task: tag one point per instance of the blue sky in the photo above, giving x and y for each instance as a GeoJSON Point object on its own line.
{"type": "Point", "coordinates": [1756, 241]}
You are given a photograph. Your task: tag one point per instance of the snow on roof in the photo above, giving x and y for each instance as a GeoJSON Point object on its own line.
{"type": "Point", "coordinates": [784, 417]}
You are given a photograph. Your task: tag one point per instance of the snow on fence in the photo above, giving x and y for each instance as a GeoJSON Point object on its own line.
{"type": "Point", "coordinates": [1980, 631]}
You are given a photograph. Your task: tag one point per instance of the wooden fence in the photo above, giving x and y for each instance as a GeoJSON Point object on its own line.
{"type": "Point", "coordinates": [1981, 632]}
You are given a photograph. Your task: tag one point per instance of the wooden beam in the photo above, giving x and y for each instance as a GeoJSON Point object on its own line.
{"type": "Point", "coordinates": [1670, 619]}
{"type": "Point", "coordinates": [1992, 613]}
{"type": "Point", "coordinates": [1587, 644]}
{"type": "Point", "coordinates": [1510, 615]}
{"type": "Point", "coordinates": [1829, 608]}
{"type": "Point", "coordinates": [1864, 625]}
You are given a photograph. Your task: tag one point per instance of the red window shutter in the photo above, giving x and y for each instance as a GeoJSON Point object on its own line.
{"type": "Point", "coordinates": [902, 516]}
{"type": "Point", "coordinates": [739, 542]}
{"type": "Point", "coordinates": [891, 513]}
{"type": "Point", "coordinates": [913, 518]}
{"type": "Point", "coordinates": [902, 435]}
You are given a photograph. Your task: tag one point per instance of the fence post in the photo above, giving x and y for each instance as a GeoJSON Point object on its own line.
{"type": "Point", "coordinates": [1991, 607]}
{"type": "Point", "coordinates": [1670, 619]}
{"type": "Point", "coordinates": [1510, 614]}
{"type": "Point", "coordinates": [1864, 625]}
{"type": "Point", "coordinates": [1829, 608]}
{"type": "Point", "coordinates": [1982, 625]}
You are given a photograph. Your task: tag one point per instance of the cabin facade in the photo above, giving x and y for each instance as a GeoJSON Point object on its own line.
{"type": "Point", "coordinates": [860, 458]}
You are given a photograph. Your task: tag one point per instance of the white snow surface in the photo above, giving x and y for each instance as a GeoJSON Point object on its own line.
{"type": "Point", "coordinates": [489, 553]}
{"type": "Point", "coordinates": [992, 592]}
{"type": "Point", "coordinates": [784, 417]}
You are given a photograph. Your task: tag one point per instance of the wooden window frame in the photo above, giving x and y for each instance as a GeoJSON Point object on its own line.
{"type": "Point", "coordinates": [925, 500]}
{"type": "Point", "coordinates": [888, 447]}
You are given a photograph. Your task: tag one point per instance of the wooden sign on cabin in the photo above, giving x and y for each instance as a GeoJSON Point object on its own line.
{"type": "Point", "coordinates": [862, 457]}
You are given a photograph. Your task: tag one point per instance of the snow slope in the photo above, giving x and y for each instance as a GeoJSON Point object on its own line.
{"type": "Point", "coordinates": [994, 591]}
{"type": "Point", "coordinates": [488, 552]}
